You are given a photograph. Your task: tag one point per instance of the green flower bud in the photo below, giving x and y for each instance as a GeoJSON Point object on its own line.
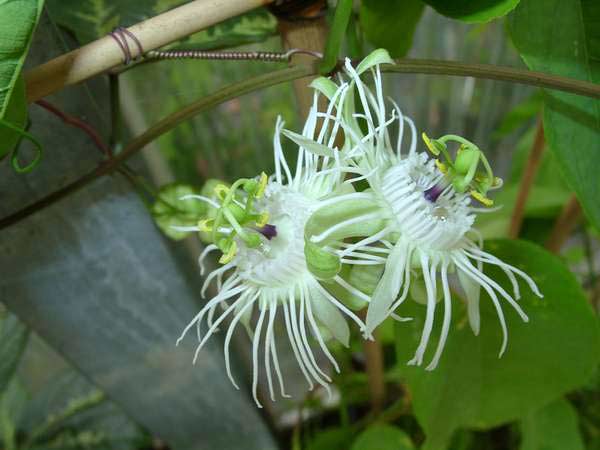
{"type": "Point", "coordinates": [322, 264]}
{"type": "Point", "coordinates": [365, 278]}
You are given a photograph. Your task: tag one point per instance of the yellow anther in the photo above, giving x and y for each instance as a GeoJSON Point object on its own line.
{"type": "Point", "coordinates": [441, 166]}
{"type": "Point", "coordinates": [262, 219]}
{"type": "Point", "coordinates": [429, 144]}
{"type": "Point", "coordinates": [482, 198]}
{"type": "Point", "coordinates": [221, 191]}
{"type": "Point", "coordinates": [206, 225]}
{"type": "Point", "coordinates": [228, 256]}
{"type": "Point", "coordinates": [262, 184]}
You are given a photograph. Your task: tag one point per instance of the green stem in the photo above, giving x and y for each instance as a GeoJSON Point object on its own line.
{"type": "Point", "coordinates": [73, 408]}
{"type": "Point", "coordinates": [493, 72]}
{"type": "Point", "coordinates": [343, 10]}
{"type": "Point", "coordinates": [116, 131]}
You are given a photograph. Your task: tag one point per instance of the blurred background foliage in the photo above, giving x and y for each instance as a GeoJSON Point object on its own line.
{"type": "Point", "coordinates": [46, 404]}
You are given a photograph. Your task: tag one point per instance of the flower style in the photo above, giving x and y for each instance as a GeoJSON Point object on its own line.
{"type": "Point", "coordinates": [259, 226]}
{"type": "Point", "coordinates": [425, 206]}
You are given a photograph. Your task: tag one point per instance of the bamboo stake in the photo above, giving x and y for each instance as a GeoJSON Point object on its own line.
{"type": "Point", "coordinates": [104, 53]}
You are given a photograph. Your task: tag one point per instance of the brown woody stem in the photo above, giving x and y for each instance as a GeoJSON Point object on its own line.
{"type": "Point", "coordinates": [533, 164]}
{"type": "Point", "coordinates": [564, 225]}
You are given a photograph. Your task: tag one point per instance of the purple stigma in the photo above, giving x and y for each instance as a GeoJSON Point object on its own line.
{"type": "Point", "coordinates": [269, 231]}
{"type": "Point", "coordinates": [433, 193]}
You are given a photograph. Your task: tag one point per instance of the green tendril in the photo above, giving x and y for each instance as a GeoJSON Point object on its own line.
{"type": "Point", "coordinates": [14, 158]}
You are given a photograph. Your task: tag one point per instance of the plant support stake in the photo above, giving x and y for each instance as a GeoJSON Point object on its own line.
{"type": "Point", "coordinates": [104, 53]}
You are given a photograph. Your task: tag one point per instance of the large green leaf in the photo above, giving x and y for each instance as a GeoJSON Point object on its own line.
{"type": "Point", "coordinates": [382, 437]}
{"type": "Point", "coordinates": [68, 412]}
{"type": "Point", "coordinates": [552, 354]}
{"type": "Point", "coordinates": [391, 24]}
{"type": "Point", "coordinates": [473, 10]}
{"type": "Point", "coordinates": [94, 278]}
{"type": "Point", "coordinates": [13, 338]}
{"type": "Point", "coordinates": [92, 19]}
{"type": "Point", "coordinates": [331, 439]}
{"type": "Point", "coordinates": [18, 19]}
{"type": "Point", "coordinates": [553, 427]}
{"type": "Point", "coordinates": [563, 37]}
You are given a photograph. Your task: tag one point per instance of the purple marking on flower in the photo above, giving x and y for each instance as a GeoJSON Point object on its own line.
{"type": "Point", "coordinates": [269, 231]}
{"type": "Point", "coordinates": [433, 193]}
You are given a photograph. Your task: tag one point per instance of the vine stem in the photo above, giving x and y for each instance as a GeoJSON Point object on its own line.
{"type": "Point", "coordinates": [104, 53]}
{"type": "Point", "coordinates": [375, 373]}
{"type": "Point", "coordinates": [281, 76]}
{"type": "Point", "coordinates": [564, 225]}
{"type": "Point", "coordinates": [493, 72]}
{"type": "Point", "coordinates": [533, 164]}
{"type": "Point", "coordinates": [158, 129]}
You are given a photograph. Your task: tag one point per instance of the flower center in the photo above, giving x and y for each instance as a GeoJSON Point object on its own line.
{"type": "Point", "coordinates": [279, 259]}
{"type": "Point", "coordinates": [423, 206]}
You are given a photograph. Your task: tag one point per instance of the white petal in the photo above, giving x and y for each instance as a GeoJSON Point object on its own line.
{"type": "Point", "coordinates": [472, 291]}
{"type": "Point", "coordinates": [388, 288]}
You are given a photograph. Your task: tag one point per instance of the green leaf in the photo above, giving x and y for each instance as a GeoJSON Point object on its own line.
{"type": "Point", "coordinates": [473, 10]}
{"type": "Point", "coordinates": [331, 439]}
{"type": "Point", "coordinates": [252, 27]}
{"type": "Point", "coordinates": [18, 19]}
{"type": "Point", "coordinates": [553, 427]}
{"type": "Point", "coordinates": [13, 339]}
{"type": "Point", "coordinates": [170, 210]}
{"type": "Point", "coordinates": [92, 19]}
{"type": "Point", "coordinates": [552, 354]}
{"type": "Point", "coordinates": [562, 37]}
{"type": "Point", "coordinates": [16, 114]}
{"type": "Point", "coordinates": [519, 115]}
{"type": "Point", "coordinates": [382, 437]}
{"type": "Point", "coordinates": [391, 24]}
{"type": "Point", "coordinates": [337, 31]}
{"type": "Point", "coordinates": [13, 400]}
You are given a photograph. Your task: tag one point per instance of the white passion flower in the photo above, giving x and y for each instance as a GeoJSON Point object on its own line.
{"type": "Point", "coordinates": [425, 205]}
{"type": "Point", "coordinates": [259, 226]}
